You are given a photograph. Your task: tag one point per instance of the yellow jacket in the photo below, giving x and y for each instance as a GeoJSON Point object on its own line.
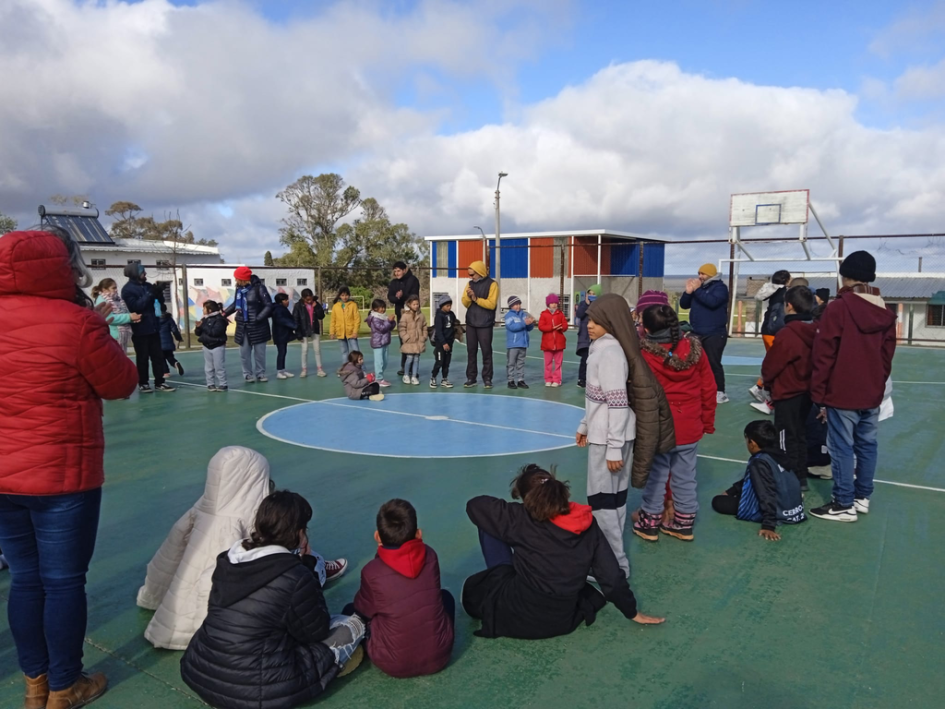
{"type": "Point", "coordinates": [345, 321]}
{"type": "Point", "coordinates": [488, 303]}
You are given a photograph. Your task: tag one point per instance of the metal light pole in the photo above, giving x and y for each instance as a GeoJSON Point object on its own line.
{"type": "Point", "coordinates": [485, 246]}
{"type": "Point", "coordinates": [498, 249]}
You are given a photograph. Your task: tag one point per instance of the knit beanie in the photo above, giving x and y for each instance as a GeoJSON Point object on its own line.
{"type": "Point", "coordinates": [514, 300]}
{"type": "Point", "coordinates": [652, 297]}
{"type": "Point", "coordinates": [443, 300]}
{"type": "Point", "coordinates": [480, 268]}
{"type": "Point", "coordinates": [552, 298]}
{"type": "Point", "coordinates": [709, 270]}
{"type": "Point", "coordinates": [595, 290]}
{"type": "Point", "coordinates": [243, 273]}
{"type": "Point", "coordinates": [823, 294]}
{"type": "Point", "coordinates": [859, 266]}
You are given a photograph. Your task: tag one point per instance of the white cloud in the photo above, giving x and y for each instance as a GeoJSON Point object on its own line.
{"type": "Point", "coordinates": [922, 82]}
{"type": "Point", "coordinates": [916, 30]}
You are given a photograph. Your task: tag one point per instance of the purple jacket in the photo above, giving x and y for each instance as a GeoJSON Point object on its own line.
{"type": "Point", "coordinates": [381, 328]}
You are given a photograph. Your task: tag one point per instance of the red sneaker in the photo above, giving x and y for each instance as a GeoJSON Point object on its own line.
{"type": "Point", "coordinates": [335, 569]}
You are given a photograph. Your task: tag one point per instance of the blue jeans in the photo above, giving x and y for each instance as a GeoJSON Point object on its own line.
{"type": "Point", "coordinates": [380, 361]}
{"type": "Point", "coordinates": [412, 366]}
{"type": "Point", "coordinates": [681, 460]}
{"type": "Point", "coordinates": [349, 345]}
{"type": "Point", "coordinates": [494, 551]}
{"type": "Point", "coordinates": [48, 542]}
{"type": "Point", "coordinates": [852, 433]}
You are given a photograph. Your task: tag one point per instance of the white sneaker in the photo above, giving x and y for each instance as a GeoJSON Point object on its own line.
{"type": "Point", "coordinates": [262, 379]}
{"type": "Point", "coordinates": [862, 505]}
{"type": "Point", "coordinates": [303, 373]}
{"type": "Point", "coordinates": [757, 393]}
{"type": "Point", "coordinates": [547, 384]}
{"type": "Point", "coordinates": [721, 397]}
{"type": "Point", "coordinates": [555, 384]}
{"type": "Point", "coordinates": [824, 472]}
{"type": "Point", "coordinates": [415, 381]}
{"type": "Point", "coordinates": [321, 373]}
{"type": "Point", "coordinates": [289, 375]}
{"type": "Point", "coordinates": [406, 379]}
{"type": "Point", "coordinates": [281, 375]}
{"type": "Point", "coordinates": [376, 397]}
{"type": "Point", "coordinates": [764, 407]}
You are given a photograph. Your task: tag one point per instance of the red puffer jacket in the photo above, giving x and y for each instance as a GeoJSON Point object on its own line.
{"type": "Point", "coordinates": [411, 634]}
{"type": "Point", "coordinates": [57, 362]}
{"type": "Point", "coordinates": [689, 385]}
{"type": "Point", "coordinates": [551, 339]}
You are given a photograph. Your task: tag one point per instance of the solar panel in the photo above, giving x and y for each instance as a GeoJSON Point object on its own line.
{"type": "Point", "coordinates": [86, 230]}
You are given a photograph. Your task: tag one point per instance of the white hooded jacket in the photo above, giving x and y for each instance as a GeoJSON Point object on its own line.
{"type": "Point", "coordinates": [178, 581]}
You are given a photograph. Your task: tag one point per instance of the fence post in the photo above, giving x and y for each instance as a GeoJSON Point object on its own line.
{"type": "Point", "coordinates": [911, 320]}
{"type": "Point", "coordinates": [319, 286]}
{"type": "Point", "coordinates": [640, 284]}
{"type": "Point", "coordinates": [185, 290]}
{"type": "Point", "coordinates": [732, 294]}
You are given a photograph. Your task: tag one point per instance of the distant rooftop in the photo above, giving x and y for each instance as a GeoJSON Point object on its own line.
{"type": "Point", "coordinates": [604, 233]}
{"type": "Point", "coordinates": [893, 286]}
{"type": "Point", "coordinates": [82, 224]}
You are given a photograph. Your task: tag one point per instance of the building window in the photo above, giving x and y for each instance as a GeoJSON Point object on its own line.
{"type": "Point", "coordinates": [226, 282]}
{"type": "Point", "coordinates": [263, 281]}
{"type": "Point", "coordinates": [442, 256]}
{"type": "Point", "coordinates": [134, 260]}
{"type": "Point", "coordinates": [98, 263]}
{"type": "Point", "coordinates": [198, 281]}
{"type": "Point", "coordinates": [180, 281]}
{"type": "Point", "coordinates": [282, 281]}
{"type": "Point", "coordinates": [301, 281]}
{"type": "Point", "coordinates": [935, 315]}
{"type": "Point", "coordinates": [163, 264]}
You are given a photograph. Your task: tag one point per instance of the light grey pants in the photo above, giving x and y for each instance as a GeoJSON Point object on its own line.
{"type": "Point", "coordinates": [316, 343]}
{"type": "Point", "coordinates": [516, 365]}
{"type": "Point", "coordinates": [253, 355]}
{"type": "Point", "coordinates": [214, 366]}
{"type": "Point", "coordinates": [607, 496]}
{"type": "Point", "coordinates": [681, 460]}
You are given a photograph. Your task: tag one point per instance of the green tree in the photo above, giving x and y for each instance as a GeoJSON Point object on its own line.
{"type": "Point", "coordinates": [369, 245]}
{"type": "Point", "coordinates": [7, 223]}
{"type": "Point", "coordinates": [315, 206]}
{"type": "Point", "coordinates": [267, 259]}
{"type": "Point", "coordinates": [127, 224]}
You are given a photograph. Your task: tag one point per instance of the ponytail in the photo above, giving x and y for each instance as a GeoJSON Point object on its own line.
{"type": "Point", "coordinates": [657, 318]}
{"type": "Point", "coordinates": [543, 495]}
{"type": "Point", "coordinates": [103, 285]}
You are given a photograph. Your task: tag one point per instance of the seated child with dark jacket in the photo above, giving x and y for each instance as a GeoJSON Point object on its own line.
{"type": "Point", "coordinates": [768, 493]}
{"type": "Point", "coordinates": [411, 618]}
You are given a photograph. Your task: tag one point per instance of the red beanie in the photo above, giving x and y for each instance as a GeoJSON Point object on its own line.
{"type": "Point", "coordinates": [243, 273]}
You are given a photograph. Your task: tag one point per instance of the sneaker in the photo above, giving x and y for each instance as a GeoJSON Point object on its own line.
{"type": "Point", "coordinates": [555, 384]}
{"type": "Point", "coordinates": [470, 384]}
{"type": "Point", "coordinates": [860, 504]}
{"type": "Point", "coordinates": [303, 374]}
{"type": "Point", "coordinates": [164, 387]}
{"type": "Point", "coordinates": [757, 393]}
{"type": "Point", "coordinates": [352, 664]}
{"type": "Point", "coordinates": [447, 384]}
{"type": "Point", "coordinates": [376, 397]}
{"type": "Point", "coordinates": [321, 373]}
{"type": "Point", "coordinates": [721, 397]}
{"type": "Point", "coordinates": [400, 372]}
{"type": "Point", "coordinates": [222, 389]}
{"type": "Point", "coordinates": [280, 375]}
{"type": "Point", "coordinates": [180, 368]}
{"type": "Point", "coordinates": [335, 569]}
{"type": "Point", "coordinates": [145, 389]}
{"type": "Point", "coordinates": [211, 387]}
{"type": "Point", "coordinates": [513, 385]}
{"type": "Point", "coordinates": [415, 381]}
{"type": "Point", "coordinates": [764, 407]}
{"type": "Point", "coordinates": [582, 384]}
{"type": "Point", "coordinates": [86, 690]}
{"type": "Point", "coordinates": [835, 513]}
{"type": "Point", "coordinates": [383, 383]}
{"type": "Point", "coordinates": [433, 384]}
{"type": "Point", "coordinates": [406, 379]}
{"type": "Point", "coordinates": [522, 385]}
{"type": "Point", "coordinates": [824, 472]}
{"type": "Point", "coordinates": [547, 384]}
{"type": "Point", "coordinates": [250, 380]}
{"type": "Point", "coordinates": [289, 375]}
{"type": "Point", "coordinates": [487, 385]}
{"type": "Point", "coordinates": [262, 380]}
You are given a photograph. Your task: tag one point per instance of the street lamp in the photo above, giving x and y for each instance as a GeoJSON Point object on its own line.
{"type": "Point", "coordinates": [485, 246]}
{"type": "Point", "coordinates": [498, 251]}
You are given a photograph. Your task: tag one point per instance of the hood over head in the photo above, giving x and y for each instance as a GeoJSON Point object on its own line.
{"type": "Point", "coordinates": [237, 483]}
{"type": "Point", "coordinates": [35, 263]}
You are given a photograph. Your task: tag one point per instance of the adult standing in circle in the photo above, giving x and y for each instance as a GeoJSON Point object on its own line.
{"type": "Point", "coordinates": [403, 285]}
{"type": "Point", "coordinates": [52, 446]}
{"type": "Point", "coordinates": [252, 306]}
{"type": "Point", "coordinates": [481, 298]}
{"type": "Point", "coordinates": [706, 298]}
{"type": "Point", "coordinates": [146, 300]}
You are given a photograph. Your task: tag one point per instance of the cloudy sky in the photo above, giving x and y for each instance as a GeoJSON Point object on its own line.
{"type": "Point", "coordinates": [635, 116]}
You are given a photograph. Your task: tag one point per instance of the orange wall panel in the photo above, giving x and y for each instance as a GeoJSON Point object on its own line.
{"type": "Point", "coordinates": [468, 252]}
{"type": "Point", "coordinates": [542, 254]}
{"type": "Point", "coordinates": [585, 257]}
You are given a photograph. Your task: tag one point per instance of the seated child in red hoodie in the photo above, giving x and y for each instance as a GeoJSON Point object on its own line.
{"type": "Point", "coordinates": [411, 618]}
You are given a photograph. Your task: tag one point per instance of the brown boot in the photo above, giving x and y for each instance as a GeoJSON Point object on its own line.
{"type": "Point", "coordinates": [85, 691]}
{"type": "Point", "coordinates": [37, 692]}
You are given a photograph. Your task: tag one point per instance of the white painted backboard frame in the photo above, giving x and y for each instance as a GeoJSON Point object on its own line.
{"type": "Point", "coordinates": [760, 208]}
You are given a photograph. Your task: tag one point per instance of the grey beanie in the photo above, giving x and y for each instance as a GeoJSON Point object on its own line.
{"type": "Point", "coordinates": [513, 299]}
{"type": "Point", "coordinates": [443, 300]}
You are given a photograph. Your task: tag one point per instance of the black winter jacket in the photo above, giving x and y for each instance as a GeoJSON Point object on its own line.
{"type": "Point", "coordinates": [408, 285]}
{"type": "Point", "coordinates": [769, 493]}
{"type": "Point", "coordinates": [283, 325]}
{"type": "Point", "coordinates": [305, 326]}
{"type": "Point", "coordinates": [169, 333]}
{"type": "Point", "coordinates": [259, 309]}
{"type": "Point", "coordinates": [583, 340]}
{"type": "Point", "coordinates": [544, 593]}
{"type": "Point", "coordinates": [259, 647]}
{"type": "Point", "coordinates": [774, 315]}
{"type": "Point", "coordinates": [444, 328]}
{"type": "Point", "coordinates": [212, 333]}
{"type": "Point", "coordinates": [140, 298]}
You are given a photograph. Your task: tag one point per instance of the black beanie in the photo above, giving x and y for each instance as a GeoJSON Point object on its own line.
{"type": "Point", "coordinates": [859, 266]}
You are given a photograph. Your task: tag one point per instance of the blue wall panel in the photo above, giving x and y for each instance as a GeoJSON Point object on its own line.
{"type": "Point", "coordinates": [654, 260]}
{"type": "Point", "coordinates": [514, 260]}
{"type": "Point", "coordinates": [451, 258]}
{"type": "Point", "coordinates": [624, 259]}
{"type": "Point", "coordinates": [434, 248]}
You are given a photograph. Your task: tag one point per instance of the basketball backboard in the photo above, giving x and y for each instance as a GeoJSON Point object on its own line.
{"type": "Point", "coordinates": [760, 208]}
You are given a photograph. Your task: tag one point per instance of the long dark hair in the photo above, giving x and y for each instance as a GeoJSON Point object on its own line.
{"type": "Point", "coordinates": [663, 317]}
{"type": "Point", "coordinates": [543, 495]}
{"type": "Point", "coordinates": [279, 519]}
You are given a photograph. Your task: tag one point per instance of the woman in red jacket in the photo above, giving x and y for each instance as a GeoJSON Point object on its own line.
{"type": "Point", "coordinates": [683, 370]}
{"type": "Point", "coordinates": [60, 362]}
{"type": "Point", "coordinates": [552, 324]}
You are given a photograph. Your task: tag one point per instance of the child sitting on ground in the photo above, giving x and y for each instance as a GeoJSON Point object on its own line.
{"type": "Point", "coordinates": [768, 493]}
{"type": "Point", "coordinates": [268, 640]}
{"type": "Point", "coordinates": [359, 385]}
{"type": "Point", "coordinates": [410, 618]}
{"type": "Point", "coordinates": [211, 333]}
{"type": "Point", "coordinates": [518, 324]}
{"type": "Point", "coordinates": [552, 324]}
{"type": "Point", "coordinates": [413, 338]}
{"type": "Point", "coordinates": [772, 293]}
{"type": "Point", "coordinates": [444, 337]}
{"type": "Point", "coordinates": [538, 555]}
{"type": "Point", "coordinates": [381, 325]}
{"type": "Point", "coordinates": [283, 332]}
{"type": "Point", "coordinates": [169, 334]}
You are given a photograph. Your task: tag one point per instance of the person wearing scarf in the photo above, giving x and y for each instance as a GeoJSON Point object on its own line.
{"type": "Point", "coordinates": [253, 307]}
{"type": "Point", "coordinates": [627, 419]}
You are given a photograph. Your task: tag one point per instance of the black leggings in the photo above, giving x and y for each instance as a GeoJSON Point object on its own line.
{"type": "Point", "coordinates": [370, 390]}
{"type": "Point", "coordinates": [725, 504]}
{"type": "Point", "coordinates": [148, 348]}
{"type": "Point", "coordinates": [441, 360]}
{"type": "Point", "coordinates": [714, 346]}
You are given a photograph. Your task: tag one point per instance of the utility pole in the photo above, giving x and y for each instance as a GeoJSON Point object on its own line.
{"type": "Point", "coordinates": [498, 247]}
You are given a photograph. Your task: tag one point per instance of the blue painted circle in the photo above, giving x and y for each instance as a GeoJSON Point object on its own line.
{"type": "Point", "coordinates": [427, 425]}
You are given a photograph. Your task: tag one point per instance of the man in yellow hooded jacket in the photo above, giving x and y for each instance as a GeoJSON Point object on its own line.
{"type": "Point", "coordinates": [481, 298]}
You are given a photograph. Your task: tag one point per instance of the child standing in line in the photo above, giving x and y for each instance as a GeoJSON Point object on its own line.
{"type": "Point", "coordinates": [682, 369]}
{"type": "Point", "coordinates": [444, 337]}
{"type": "Point", "coordinates": [772, 293]}
{"type": "Point", "coordinates": [169, 334]}
{"type": "Point", "coordinates": [786, 371]}
{"type": "Point", "coordinates": [518, 324]}
{"type": "Point", "coordinates": [768, 492]}
{"type": "Point", "coordinates": [358, 385]}
{"type": "Point", "coordinates": [413, 334]}
{"type": "Point", "coordinates": [309, 314]}
{"type": "Point", "coordinates": [211, 333]}
{"type": "Point", "coordinates": [552, 324]}
{"type": "Point", "coordinates": [584, 340]}
{"type": "Point", "coordinates": [381, 326]}
{"type": "Point", "coordinates": [345, 322]}
{"type": "Point", "coordinates": [283, 332]}
{"type": "Point", "coordinates": [117, 315]}
{"type": "Point", "coordinates": [411, 618]}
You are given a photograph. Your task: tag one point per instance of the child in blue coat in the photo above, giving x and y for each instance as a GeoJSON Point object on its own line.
{"type": "Point", "coordinates": [518, 324]}
{"type": "Point", "coordinates": [283, 332]}
{"type": "Point", "coordinates": [169, 333]}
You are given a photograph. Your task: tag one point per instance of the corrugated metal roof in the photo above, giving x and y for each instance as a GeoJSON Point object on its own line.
{"type": "Point", "coordinates": [547, 234]}
{"type": "Point", "coordinates": [892, 286]}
